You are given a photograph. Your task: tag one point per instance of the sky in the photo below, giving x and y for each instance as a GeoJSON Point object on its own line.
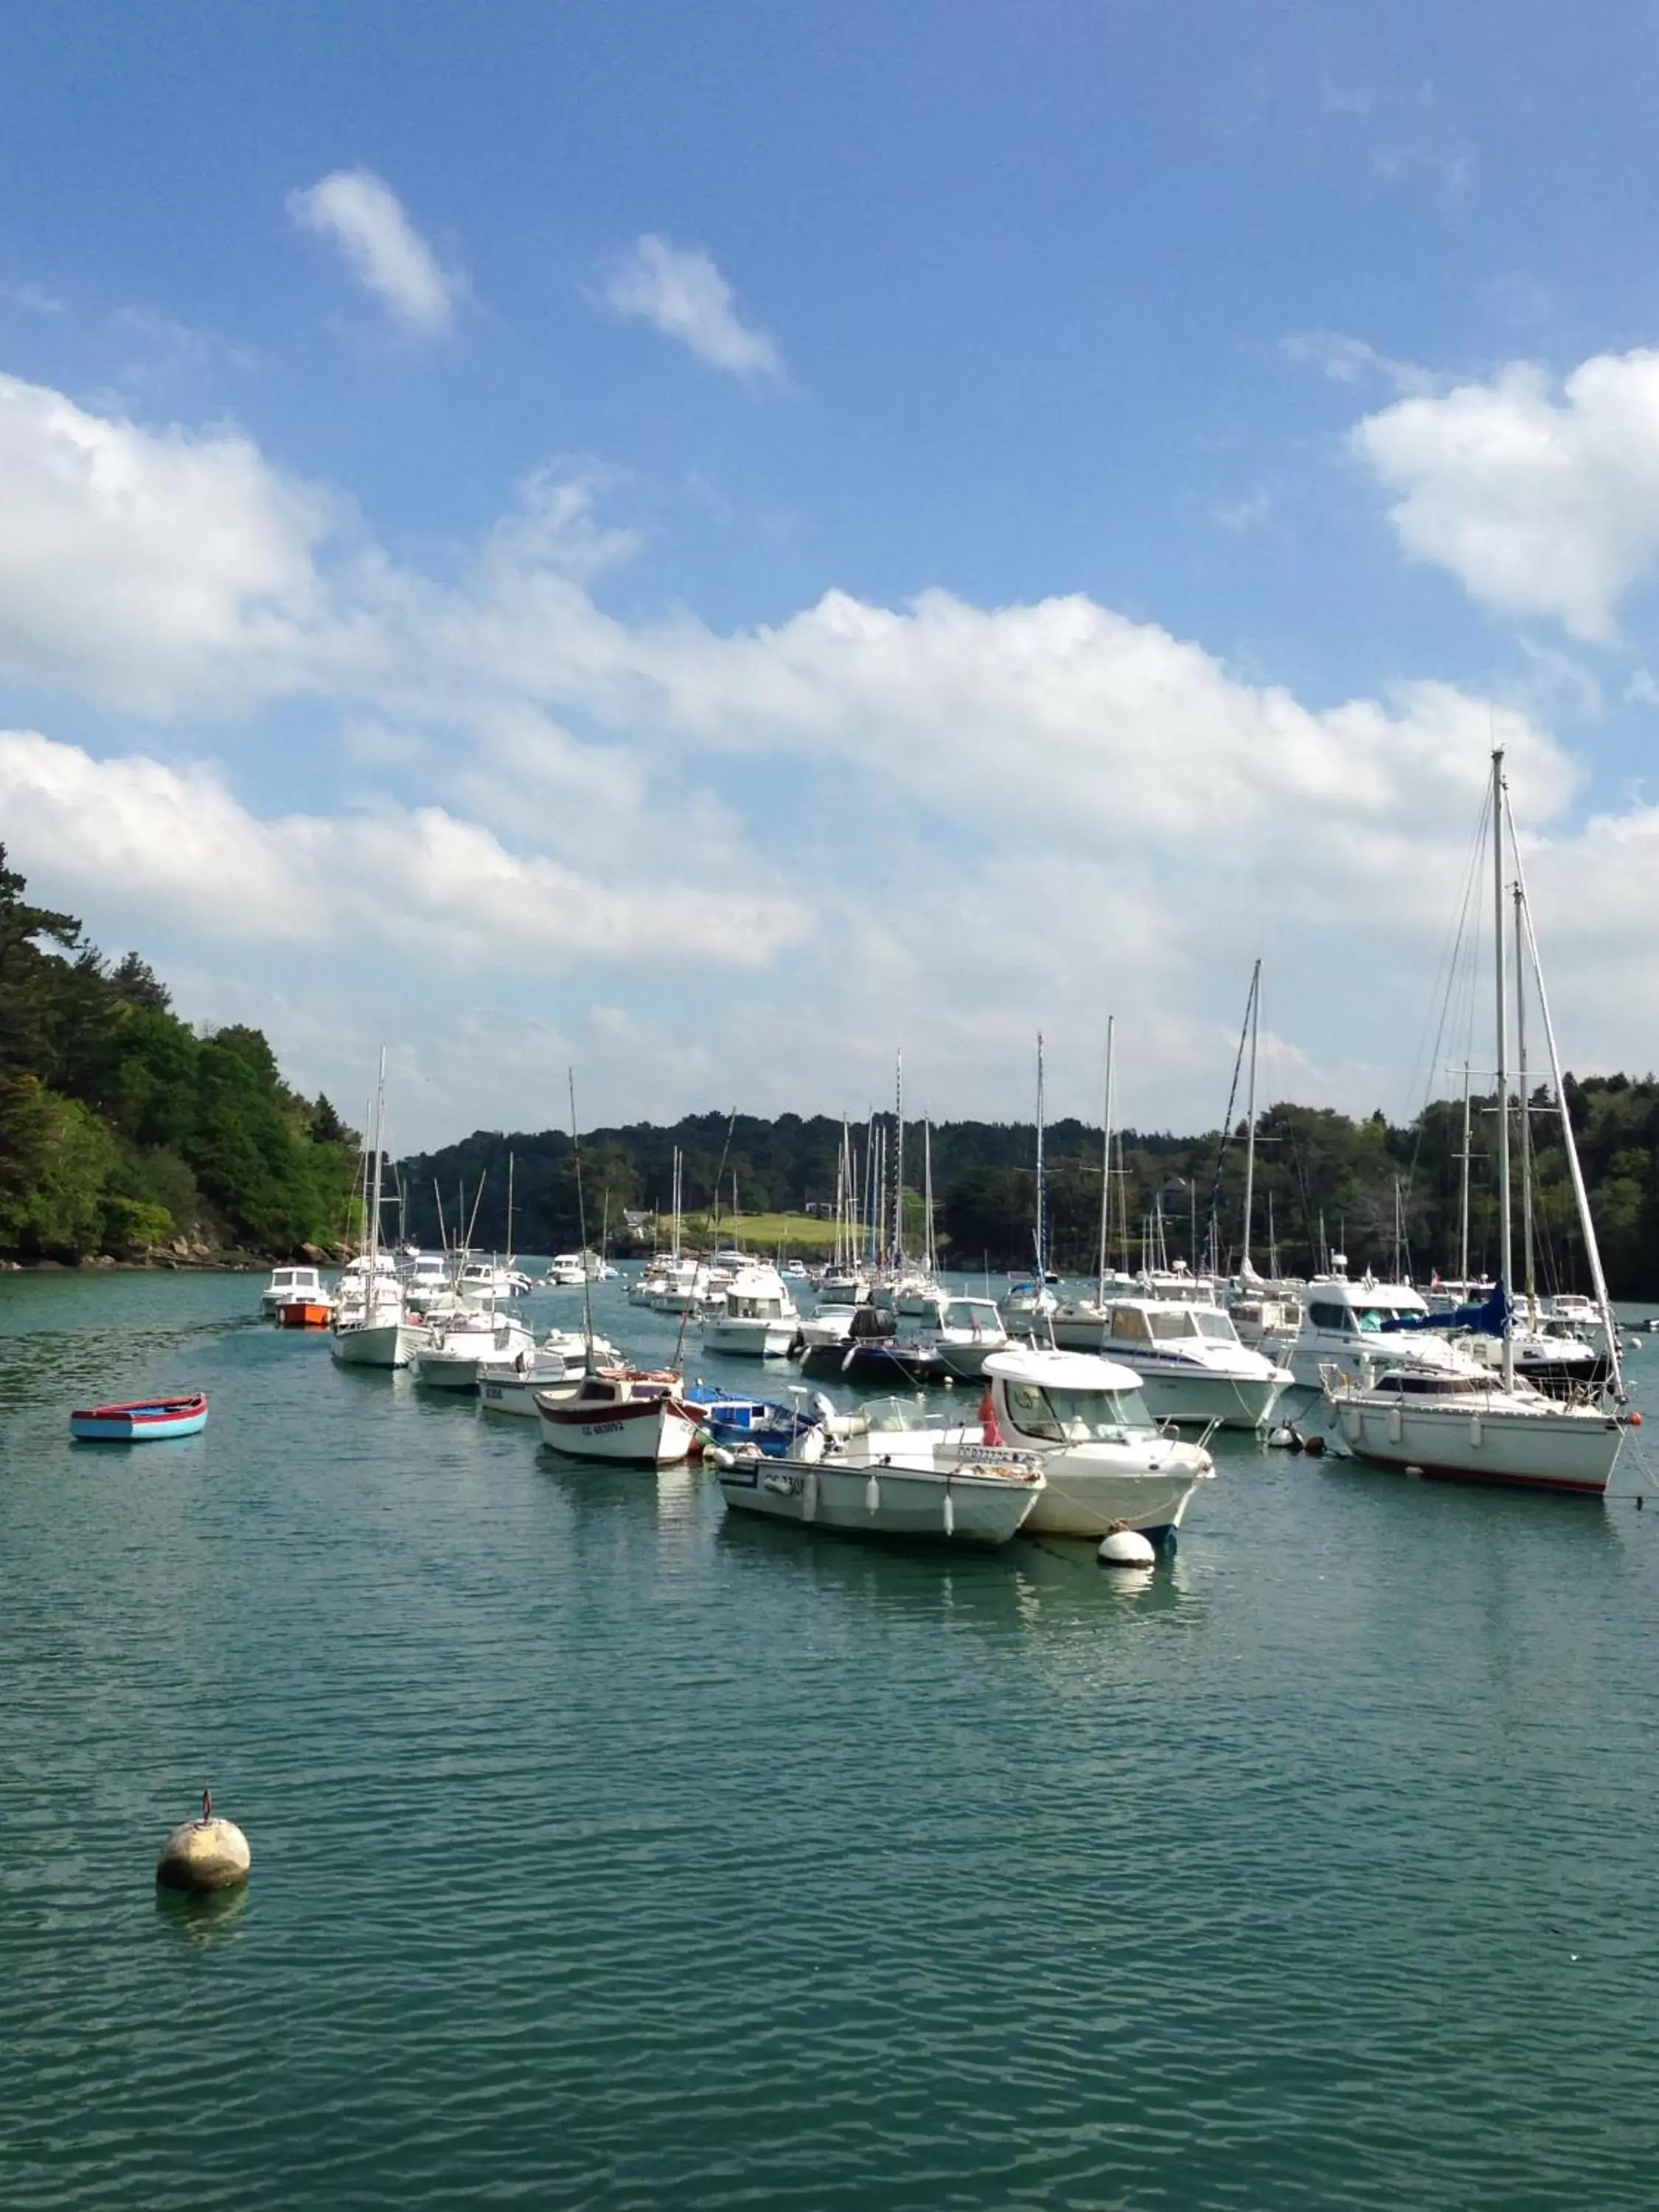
{"type": "Point", "coordinates": [706, 545]}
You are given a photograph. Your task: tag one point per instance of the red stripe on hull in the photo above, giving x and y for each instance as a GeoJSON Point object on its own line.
{"type": "Point", "coordinates": [1558, 1484]}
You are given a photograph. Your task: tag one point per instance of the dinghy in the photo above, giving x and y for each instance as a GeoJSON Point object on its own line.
{"type": "Point", "coordinates": [149, 1420]}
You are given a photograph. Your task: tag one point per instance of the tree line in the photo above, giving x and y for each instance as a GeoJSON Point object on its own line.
{"type": "Point", "coordinates": [122, 1129]}
{"type": "Point", "coordinates": [1386, 1196]}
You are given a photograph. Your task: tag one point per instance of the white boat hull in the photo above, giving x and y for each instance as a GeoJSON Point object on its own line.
{"type": "Point", "coordinates": [377, 1344]}
{"type": "Point", "coordinates": [516, 1394]}
{"type": "Point", "coordinates": [656, 1433]}
{"type": "Point", "coordinates": [1082, 1501]}
{"type": "Point", "coordinates": [909, 1502]}
{"type": "Point", "coordinates": [741, 1338]}
{"type": "Point", "coordinates": [1551, 1449]}
{"type": "Point", "coordinates": [1192, 1397]}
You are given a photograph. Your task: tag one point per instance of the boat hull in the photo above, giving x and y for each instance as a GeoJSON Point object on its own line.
{"type": "Point", "coordinates": [909, 1503]}
{"type": "Point", "coordinates": [653, 1432]}
{"type": "Point", "coordinates": [1193, 1398]}
{"type": "Point", "coordinates": [377, 1344]}
{"type": "Point", "coordinates": [304, 1312]}
{"type": "Point", "coordinates": [751, 1340]}
{"type": "Point", "coordinates": [160, 1420]}
{"type": "Point", "coordinates": [1080, 1501]}
{"type": "Point", "coordinates": [1574, 1454]}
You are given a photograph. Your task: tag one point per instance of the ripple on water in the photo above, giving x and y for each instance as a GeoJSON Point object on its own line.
{"type": "Point", "coordinates": [607, 1852]}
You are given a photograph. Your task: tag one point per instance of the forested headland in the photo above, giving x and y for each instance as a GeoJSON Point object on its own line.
{"type": "Point", "coordinates": [1383, 1195]}
{"type": "Point", "coordinates": [125, 1133]}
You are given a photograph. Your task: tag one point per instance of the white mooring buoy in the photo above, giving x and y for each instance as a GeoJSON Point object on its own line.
{"type": "Point", "coordinates": [206, 1854]}
{"type": "Point", "coordinates": [1125, 1547]}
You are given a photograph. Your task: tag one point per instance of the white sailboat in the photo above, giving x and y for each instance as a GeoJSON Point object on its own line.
{"type": "Point", "coordinates": [371, 1329]}
{"type": "Point", "coordinates": [1482, 1428]}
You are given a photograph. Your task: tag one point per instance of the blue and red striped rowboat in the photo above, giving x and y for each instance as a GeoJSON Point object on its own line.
{"type": "Point", "coordinates": [146, 1421]}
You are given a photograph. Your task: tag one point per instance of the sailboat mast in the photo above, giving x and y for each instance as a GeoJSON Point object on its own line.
{"type": "Point", "coordinates": [1041, 1195]}
{"type": "Point", "coordinates": [898, 1167]}
{"type": "Point", "coordinates": [1249, 1131]}
{"type": "Point", "coordinates": [1106, 1161]}
{"type": "Point", "coordinates": [930, 1258]}
{"type": "Point", "coordinates": [374, 1203]}
{"type": "Point", "coordinates": [1463, 1209]}
{"type": "Point", "coordinates": [509, 1209]}
{"type": "Point", "coordinates": [1527, 1239]}
{"type": "Point", "coordinates": [581, 1223]}
{"type": "Point", "coordinates": [1506, 1228]}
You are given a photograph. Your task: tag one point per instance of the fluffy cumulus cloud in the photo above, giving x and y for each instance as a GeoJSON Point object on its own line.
{"type": "Point", "coordinates": [1539, 500]}
{"type": "Point", "coordinates": [152, 569]}
{"type": "Point", "coordinates": [415, 880]}
{"type": "Point", "coordinates": [940, 823]}
{"type": "Point", "coordinates": [386, 253]}
{"type": "Point", "coordinates": [682, 293]}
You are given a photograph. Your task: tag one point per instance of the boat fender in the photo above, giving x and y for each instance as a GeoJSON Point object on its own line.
{"type": "Point", "coordinates": [718, 1455]}
{"type": "Point", "coordinates": [1633, 1419]}
{"type": "Point", "coordinates": [950, 1512]}
{"type": "Point", "coordinates": [1283, 1439]}
{"type": "Point", "coordinates": [873, 1495]}
{"type": "Point", "coordinates": [1313, 1446]}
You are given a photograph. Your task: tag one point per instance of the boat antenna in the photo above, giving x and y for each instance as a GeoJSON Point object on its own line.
{"type": "Point", "coordinates": [581, 1223]}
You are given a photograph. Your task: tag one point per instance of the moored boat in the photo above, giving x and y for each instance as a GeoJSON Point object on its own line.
{"type": "Point", "coordinates": [620, 1414]}
{"type": "Point", "coordinates": [144, 1421]}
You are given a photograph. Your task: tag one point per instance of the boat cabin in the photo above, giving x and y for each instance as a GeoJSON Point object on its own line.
{"type": "Point", "coordinates": [1065, 1398]}
{"type": "Point", "coordinates": [1150, 1322]}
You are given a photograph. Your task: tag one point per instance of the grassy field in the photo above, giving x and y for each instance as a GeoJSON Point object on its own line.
{"type": "Point", "coordinates": [795, 1235]}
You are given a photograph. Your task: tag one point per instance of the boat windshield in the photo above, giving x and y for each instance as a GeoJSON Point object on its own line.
{"type": "Point", "coordinates": [1166, 1326]}
{"type": "Point", "coordinates": [883, 1414]}
{"type": "Point", "coordinates": [972, 1313]}
{"type": "Point", "coordinates": [1217, 1328]}
{"type": "Point", "coordinates": [1075, 1417]}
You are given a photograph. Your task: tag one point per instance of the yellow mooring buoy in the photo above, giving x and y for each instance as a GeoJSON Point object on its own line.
{"type": "Point", "coordinates": [210, 1853]}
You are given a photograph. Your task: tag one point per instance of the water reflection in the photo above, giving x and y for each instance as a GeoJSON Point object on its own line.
{"type": "Point", "coordinates": [201, 1920]}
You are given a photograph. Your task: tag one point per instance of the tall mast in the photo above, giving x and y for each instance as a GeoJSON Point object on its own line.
{"type": "Point", "coordinates": [509, 1209]}
{"type": "Point", "coordinates": [1244, 1268]}
{"type": "Point", "coordinates": [897, 1247]}
{"type": "Point", "coordinates": [1526, 1110]}
{"type": "Point", "coordinates": [1106, 1161]}
{"type": "Point", "coordinates": [1042, 1207]}
{"type": "Point", "coordinates": [930, 1259]}
{"type": "Point", "coordinates": [1505, 1230]}
{"type": "Point", "coordinates": [374, 1202]}
{"type": "Point", "coordinates": [581, 1223]}
{"type": "Point", "coordinates": [1463, 1209]}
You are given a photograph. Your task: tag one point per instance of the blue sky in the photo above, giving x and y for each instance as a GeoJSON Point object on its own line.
{"type": "Point", "coordinates": [709, 543]}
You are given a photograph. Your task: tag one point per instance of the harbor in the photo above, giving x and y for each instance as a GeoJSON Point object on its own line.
{"type": "Point", "coordinates": [658, 1851]}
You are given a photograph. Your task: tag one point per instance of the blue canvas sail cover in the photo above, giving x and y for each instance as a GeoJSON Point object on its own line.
{"type": "Point", "coordinates": [1489, 1318]}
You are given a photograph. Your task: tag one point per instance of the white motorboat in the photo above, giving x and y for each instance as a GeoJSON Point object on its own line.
{"type": "Point", "coordinates": [1345, 1331]}
{"type": "Point", "coordinates": [1105, 1464]}
{"type": "Point", "coordinates": [487, 1283]}
{"type": "Point", "coordinates": [512, 1389]}
{"type": "Point", "coordinates": [426, 1276]}
{"type": "Point", "coordinates": [455, 1352]}
{"type": "Point", "coordinates": [830, 1321]}
{"type": "Point", "coordinates": [288, 1285]}
{"type": "Point", "coordinates": [568, 1271]}
{"type": "Point", "coordinates": [1027, 1307]}
{"type": "Point", "coordinates": [1488, 1428]}
{"type": "Point", "coordinates": [759, 1319]}
{"type": "Point", "coordinates": [918, 1297]}
{"type": "Point", "coordinates": [621, 1415]}
{"type": "Point", "coordinates": [1191, 1365]}
{"type": "Point", "coordinates": [882, 1481]}
{"type": "Point", "coordinates": [970, 1330]}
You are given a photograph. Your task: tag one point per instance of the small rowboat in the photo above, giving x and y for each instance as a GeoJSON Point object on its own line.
{"type": "Point", "coordinates": [145, 1422]}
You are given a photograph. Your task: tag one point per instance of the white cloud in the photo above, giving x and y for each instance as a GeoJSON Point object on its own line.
{"type": "Point", "coordinates": [416, 882]}
{"type": "Point", "coordinates": [938, 820]}
{"type": "Point", "coordinates": [385, 252]}
{"type": "Point", "coordinates": [150, 570]}
{"type": "Point", "coordinates": [1352, 361]}
{"type": "Point", "coordinates": [1540, 504]}
{"type": "Point", "coordinates": [683, 293]}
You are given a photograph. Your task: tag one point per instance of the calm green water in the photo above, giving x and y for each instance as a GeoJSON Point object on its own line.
{"type": "Point", "coordinates": [606, 1854]}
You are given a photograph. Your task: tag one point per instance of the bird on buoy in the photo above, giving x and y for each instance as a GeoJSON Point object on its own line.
{"type": "Point", "coordinates": [209, 1853]}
